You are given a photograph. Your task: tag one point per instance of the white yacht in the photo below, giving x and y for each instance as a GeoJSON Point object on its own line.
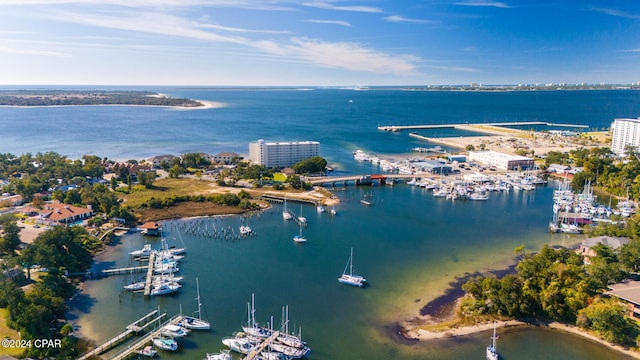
{"type": "Point", "coordinates": [286, 214]}
{"type": "Point", "coordinates": [300, 238]}
{"type": "Point", "coordinates": [349, 278]}
{"type": "Point", "coordinates": [492, 353]}
{"type": "Point", "coordinates": [144, 252]}
{"type": "Point", "coordinates": [165, 342]}
{"type": "Point", "coordinates": [222, 355]}
{"type": "Point", "coordinates": [165, 289]}
{"type": "Point", "coordinates": [245, 230]}
{"type": "Point", "coordinates": [134, 286]}
{"type": "Point", "coordinates": [239, 344]}
{"type": "Point", "coordinates": [320, 208]}
{"type": "Point", "coordinates": [174, 331]}
{"type": "Point", "coordinates": [196, 323]}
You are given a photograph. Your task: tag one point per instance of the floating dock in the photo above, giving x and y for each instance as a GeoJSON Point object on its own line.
{"type": "Point", "coordinates": [258, 349]}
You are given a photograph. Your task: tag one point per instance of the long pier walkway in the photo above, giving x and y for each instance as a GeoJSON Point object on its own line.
{"type": "Point", "coordinates": [441, 126]}
{"type": "Point", "coordinates": [130, 330]}
{"type": "Point", "coordinates": [258, 349]}
{"type": "Point", "coordinates": [147, 282]}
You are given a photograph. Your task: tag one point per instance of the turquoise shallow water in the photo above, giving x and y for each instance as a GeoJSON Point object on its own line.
{"type": "Point", "coordinates": [408, 244]}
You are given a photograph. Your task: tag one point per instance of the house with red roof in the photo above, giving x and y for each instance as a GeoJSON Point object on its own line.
{"type": "Point", "coordinates": [57, 212]}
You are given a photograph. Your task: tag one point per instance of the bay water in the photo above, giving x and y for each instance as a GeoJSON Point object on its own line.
{"type": "Point", "coordinates": [409, 245]}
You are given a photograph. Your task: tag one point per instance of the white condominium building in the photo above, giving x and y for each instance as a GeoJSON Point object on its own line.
{"type": "Point", "coordinates": [625, 132]}
{"type": "Point", "coordinates": [502, 161]}
{"type": "Point", "coordinates": [282, 154]}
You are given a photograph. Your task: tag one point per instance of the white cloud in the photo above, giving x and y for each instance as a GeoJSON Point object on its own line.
{"type": "Point", "coordinates": [332, 22]}
{"type": "Point", "coordinates": [339, 55]}
{"type": "Point", "coordinates": [327, 5]}
{"type": "Point", "coordinates": [342, 55]}
{"type": "Point", "coordinates": [483, 3]}
{"type": "Point", "coordinates": [402, 19]}
{"type": "Point", "coordinates": [616, 13]}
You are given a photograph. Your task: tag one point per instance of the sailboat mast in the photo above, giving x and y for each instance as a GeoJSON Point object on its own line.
{"type": "Point", "coordinates": [351, 263]}
{"type": "Point", "coordinates": [198, 298]}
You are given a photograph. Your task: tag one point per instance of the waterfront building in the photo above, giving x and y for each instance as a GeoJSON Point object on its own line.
{"type": "Point", "coordinates": [626, 132]}
{"type": "Point", "coordinates": [282, 154]}
{"type": "Point", "coordinates": [501, 160]}
{"type": "Point", "coordinates": [629, 292]}
{"type": "Point", "coordinates": [586, 247]}
{"type": "Point", "coordinates": [432, 166]}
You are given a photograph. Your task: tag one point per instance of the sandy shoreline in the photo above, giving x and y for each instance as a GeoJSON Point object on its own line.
{"type": "Point", "coordinates": [443, 309]}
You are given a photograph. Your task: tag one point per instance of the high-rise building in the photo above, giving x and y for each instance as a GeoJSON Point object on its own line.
{"type": "Point", "coordinates": [626, 132]}
{"type": "Point", "coordinates": [282, 154]}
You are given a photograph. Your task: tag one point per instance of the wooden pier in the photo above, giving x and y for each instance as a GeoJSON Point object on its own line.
{"type": "Point", "coordinates": [395, 128]}
{"type": "Point", "coordinates": [258, 349]}
{"type": "Point", "coordinates": [142, 342]}
{"type": "Point", "coordinates": [131, 329]}
{"type": "Point", "coordinates": [147, 282]}
{"type": "Point", "coordinates": [125, 270]}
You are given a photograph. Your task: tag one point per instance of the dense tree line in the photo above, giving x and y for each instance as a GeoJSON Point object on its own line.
{"type": "Point", "coordinates": [78, 97]}
{"type": "Point", "coordinates": [241, 200]}
{"type": "Point", "coordinates": [312, 165]}
{"type": "Point", "coordinates": [601, 168]}
{"type": "Point", "coordinates": [556, 284]}
{"type": "Point", "coordinates": [39, 313]}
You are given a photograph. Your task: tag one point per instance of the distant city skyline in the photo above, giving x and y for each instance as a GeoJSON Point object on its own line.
{"type": "Point", "coordinates": [318, 42]}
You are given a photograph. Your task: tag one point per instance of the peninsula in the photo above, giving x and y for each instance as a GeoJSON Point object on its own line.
{"type": "Point", "coordinates": [91, 97]}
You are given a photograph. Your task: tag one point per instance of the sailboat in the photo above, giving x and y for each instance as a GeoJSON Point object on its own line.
{"type": "Point", "coordinates": [222, 355]}
{"type": "Point", "coordinates": [302, 219]}
{"type": "Point", "coordinates": [350, 278]}
{"type": "Point", "coordinates": [299, 238]}
{"type": "Point", "coordinates": [194, 323]}
{"type": "Point", "coordinates": [333, 211]}
{"type": "Point", "coordinates": [492, 353]}
{"type": "Point", "coordinates": [286, 214]}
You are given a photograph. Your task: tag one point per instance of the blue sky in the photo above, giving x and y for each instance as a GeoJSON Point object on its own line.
{"type": "Point", "coordinates": [318, 42]}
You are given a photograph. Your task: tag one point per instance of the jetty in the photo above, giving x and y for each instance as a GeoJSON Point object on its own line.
{"type": "Point", "coordinates": [395, 128]}
{"type": "Point", "coordinates": [131, 329]}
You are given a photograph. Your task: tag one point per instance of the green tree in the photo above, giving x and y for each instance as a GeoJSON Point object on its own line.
{"type": "Point", "coordinates": [315, 164]}
{"type": "Point", "coordinates": [11, 239]}
{"type": "Point", "coordinates": [295, 181]}
{"type": "Point", "coordinates": [175, 171]}
{"type": "Point", "coordinates": [608, 318]}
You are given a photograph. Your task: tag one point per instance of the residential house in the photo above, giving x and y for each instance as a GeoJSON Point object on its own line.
{"type": "Point", "coordinates": [586, 247]}
{"type": "Point", "coordinates": [157, 161]}
{"type": "Point", "coordinates": [57, 212]}
{"type": "Point", "coordinates": [629, 292]}
{"type": "Point", "coordinates": [224, 157]}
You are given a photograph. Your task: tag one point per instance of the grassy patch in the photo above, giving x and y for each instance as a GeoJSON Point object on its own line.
{"type": "Point", "coordinates": [6, 332]}
{"type": "Point", "coordinates": [186, 209]}
{"type": "Point", "coordinates": [166, 188]}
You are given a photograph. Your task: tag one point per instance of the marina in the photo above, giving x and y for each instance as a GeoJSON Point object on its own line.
{"type": "Point", "coordinates": [411, 243]}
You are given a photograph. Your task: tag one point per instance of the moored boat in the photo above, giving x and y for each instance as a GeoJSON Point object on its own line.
{"type": "Point", "coordinates": [196, 323]}
{"type": "Point", "coordinates": [222, 355]}
{"type": "Point", "coordinates": [164, 342]}
{"type": "Point", "coordinates": [349, 278]}
{"type": "Point", "coordinates": [492, 353]}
